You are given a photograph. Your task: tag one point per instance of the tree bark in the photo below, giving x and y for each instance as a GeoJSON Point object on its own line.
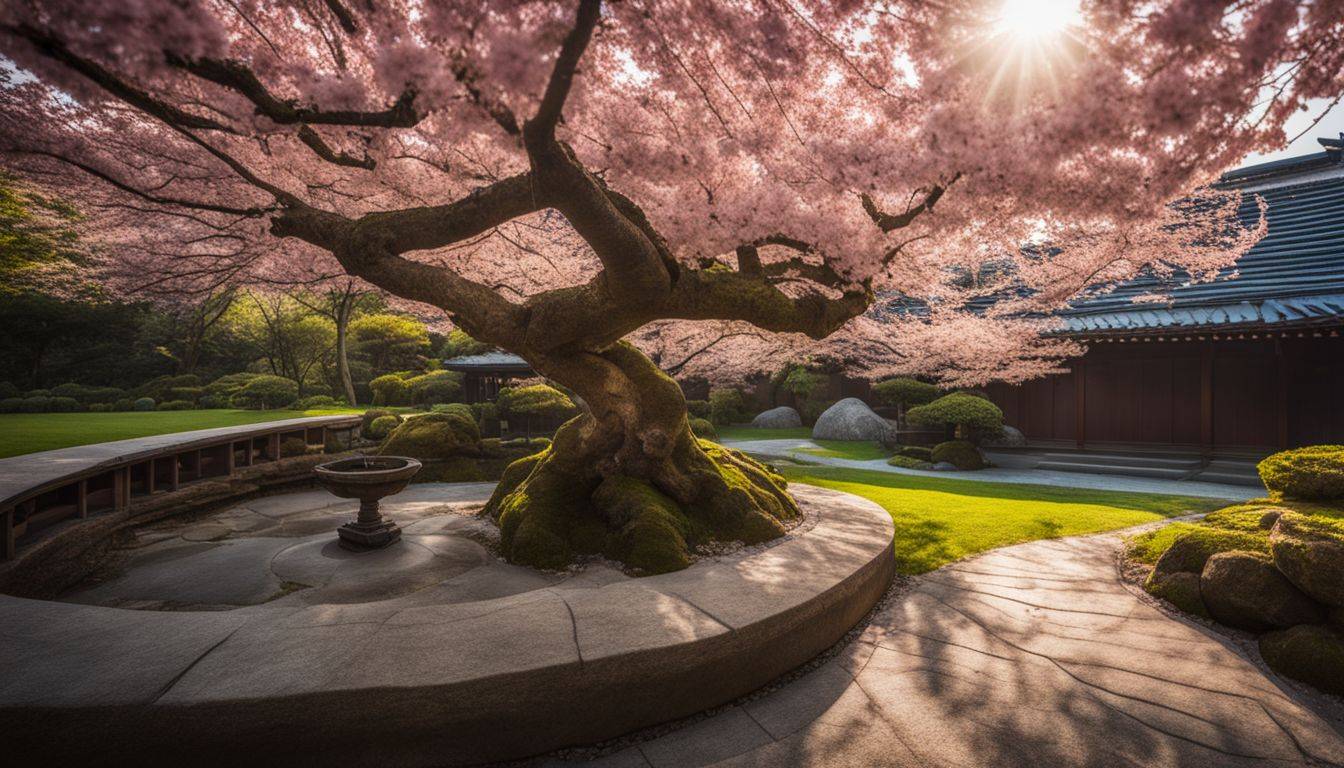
{"type": "Point", "coordinates": [627, 479]}
{"type": "Point", "coordinates": [343, 311]}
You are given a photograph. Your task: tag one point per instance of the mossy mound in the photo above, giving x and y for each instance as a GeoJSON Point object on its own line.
{"type": "Point", "coordinates": [434, 436]}
{"type": "Point", "coordinates": [1245, 590]}
{"type": "Point", "coordinates": [1251, 517]}
{"type": "Point", "coordinates": [1181, 589]}
{"type": "Point", "coordinates": [704, 429]}
{"type": "Point", "coordinates": [919, 452]}
{"type": "Point", "coordinates": [1313, 473]}
{"type": "Point", "coordinates": [961, 454]}
{"type": "Point", "coordinates": [1313, 654]}
{"type": "Point", "coordinates": [372, 415]}
{"type": "Point", "coordinates": [1309, 550]}
{"type": "Point", "coordinates": [907, 462]}
{"type": "Point", "coordinates": [1191, 550]}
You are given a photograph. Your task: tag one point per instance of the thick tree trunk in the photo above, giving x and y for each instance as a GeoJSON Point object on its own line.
{"type": "Point", "coordinates": [628, 480]}
{"type": "Point", "coordinates": [343, 312]}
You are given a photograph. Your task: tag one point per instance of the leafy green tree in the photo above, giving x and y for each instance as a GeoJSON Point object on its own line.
{"type": "Point", "coordinates": [536, 400]}
{"type": "Point", "coordinates": [903, 393]}
{"type": "Point", "coordinates": [972, 416]}
{"type": "Point", "coordinates": [388, 342]}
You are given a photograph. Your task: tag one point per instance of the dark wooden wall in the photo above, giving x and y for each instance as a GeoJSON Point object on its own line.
{"type": "Point", "coordinates": [1215, 396]}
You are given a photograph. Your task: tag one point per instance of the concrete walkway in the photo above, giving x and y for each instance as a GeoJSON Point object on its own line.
{"type": "Point", "coordinates": [793, 448]}
{"type": "Point", "coordinates": [1033, 655]}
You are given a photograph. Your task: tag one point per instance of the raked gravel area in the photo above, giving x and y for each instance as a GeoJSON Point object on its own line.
{"type": "Point", "coordinates": [793, 448]}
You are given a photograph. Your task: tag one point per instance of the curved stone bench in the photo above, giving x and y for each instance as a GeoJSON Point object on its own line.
{"type": "Point", "coordinates": [436, 684]}
{"type": "Point", "coordinates": [41, 490]}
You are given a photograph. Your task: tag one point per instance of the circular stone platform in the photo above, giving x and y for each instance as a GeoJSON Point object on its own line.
{"type": "Point", "coordinates": [264, 640]}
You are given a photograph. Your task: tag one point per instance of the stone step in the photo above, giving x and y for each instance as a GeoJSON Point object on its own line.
{"type": "Point", "coordinates": [1163, 473]}
{"type": "Point", "coordinates": [1186, 463]}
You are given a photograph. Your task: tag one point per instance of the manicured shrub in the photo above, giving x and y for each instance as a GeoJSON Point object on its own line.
{"type": "Point", "coordinates": [99, 407]}
{"type": "Point", "coordinates": [961, 454]}
{"type": "Point", "coordinates": [903, 392]}
{"type": "Point", "coordinates": [293, 446]}
{"type": "Point", "coordinates": [972, 416]}
{"type": "Point", "coordinates": [462, 408]}
{"type": "Point", "coordinates": [919, 452]}
{"type": "Point", "coordinates": [726, 406]}
{"type": "Point", "coordinates": [435, 387]}
{"type": "Point", "coordinates": [265, 392]}
{"type": "Point", "coordinates": [175, 405]}
{"type": "Point", "coordinates": [434, 436]}
{"type": "Point", "coordinates": [372, 415]}
{"type": "Point", "coordinates": [68, 389]}
{"type": "Point", "coordinates": [64, 405]}
{"type": "Point", "coordinates": [161, 388]}
{"type": "Point", "coordinates": [143, 404]}
{"type": "Point", "coordinates": [381, 427]}
{"type": "Point", "coordinates": [124, 404]}
{"type": "Point", "coordinates": [698, 408]}
{"type": "Point", "coordinates": [909, 462]}
{"type": "Point", "coordinates": [228, 385]}
{"type": "Point", "coordinates": [485, 411]}
{"type": "Point", "coordinates": [1312, 473]}
{"type": "Point", "coordinates": [315, 402]}
{"type": "Point", "coordinates": [212, 401]}
{"type": "Point", "coordinates": [704, 429]}
{"type": "Point", "coordinates": [390, 390]}
{"type": "Point", "coordinates": [101, 395]}
{"type": "Point", "coordinates": [37, 393]}
{"type": "Point", "coordinates": [11, 405]}
{"type": "Point", "coordinates": [8, 391]}
{"type": "Point", "coordinates": [536, 400]}
{"type": "Point", "coordinates": [35, 404]}
{"type": "Point", "coordinates": [191, 394]}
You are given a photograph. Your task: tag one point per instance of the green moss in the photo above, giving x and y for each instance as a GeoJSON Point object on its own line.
{"type": "Point", "coordinates": [1179, 589]}
{"type": "Point", "coordinates": [1248, 517]}
{"type": "Point", "coordinates": [1312, 473]}
{"type": "Point", "coordinates": [381, 427]}
{"type": "Point", "coordinates": [1310, 653]}
{"type": "Point", "coordinates": [434, 436]}
{"type": "Point", "coordinates": [908, 463]}
{"type": "Point", "coordinates": [371, 415]}
{"type": "Point", "coordinates": [651, 532]}
{"type": "Point", "coordinates": [703, 428]}
{"type": "Point", "coordinates": [1190, 550]}
{"type": "Point", "coordinates": [959, 453]}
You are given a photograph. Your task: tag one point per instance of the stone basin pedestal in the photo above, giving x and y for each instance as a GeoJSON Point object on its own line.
{"type": "Point", "coordinates": [369, 479]}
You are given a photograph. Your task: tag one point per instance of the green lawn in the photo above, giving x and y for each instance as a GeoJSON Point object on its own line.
{"type": "Point", "coordinates": [756, 433]}
{"type": "Point", "coordinates": [858, 450]}
{"type": "Point", "coordinates": [28, 432]}
{"type": "Point", "coordinates": [940, 520]}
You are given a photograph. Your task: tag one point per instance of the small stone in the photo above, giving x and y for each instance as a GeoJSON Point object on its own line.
{"type": "Point", "coordinates": [1245, 590]}
{"type": "Point", "coordinates": [1010, 437]}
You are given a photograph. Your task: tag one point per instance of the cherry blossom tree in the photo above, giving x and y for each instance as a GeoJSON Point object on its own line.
{"type": "Point", "coordinates": [726, 181]}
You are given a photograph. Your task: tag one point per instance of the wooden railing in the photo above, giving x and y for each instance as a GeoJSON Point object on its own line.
{"type": "Point", "coordinates": [39, 490]}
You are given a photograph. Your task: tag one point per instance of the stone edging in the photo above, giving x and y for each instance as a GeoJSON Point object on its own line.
{"type": "Point", "coordinates": [438, 684]}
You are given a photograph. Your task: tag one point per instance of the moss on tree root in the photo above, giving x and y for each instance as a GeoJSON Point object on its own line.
{"type": "Point", "coordinates": [552, 511]}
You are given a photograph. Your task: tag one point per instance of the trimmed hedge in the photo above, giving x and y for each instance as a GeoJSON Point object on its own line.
{"type": "Point", "coordinates": [390, 389]}
{"type": "Point", "coordinates": [970, 414]}
{"type": "Point", "coordinates": [1315, 472]}
{"type": "Point", "coordinates": [265, 392]}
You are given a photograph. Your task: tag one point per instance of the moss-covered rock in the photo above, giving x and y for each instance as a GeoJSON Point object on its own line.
{"type": "Point", "coordinates": [1190, 550]}
{"type": "Point", "coordinates": [1181, 589]}
{"type": "Point", "coordinates": [704, 429]}
{"type": "Point", "coordinates": [1315, 472]}
{"type": "Point", "coordinates": [905, 462]}
{"type": "Point", "coordinates": [1311, 653]}
{"type": "Point", "coordinates": [961, 454]}
{"type": "Point", "coordinates": [434, 436]}
{"type": "Point", "coordinates": [650, 531]}
{"type": "Point", "coordinates": [1245, 590]}
{"type": "Point", "coordinates": [1309, 550]}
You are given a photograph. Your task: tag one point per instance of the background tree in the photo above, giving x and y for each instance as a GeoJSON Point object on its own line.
{"type": "Point", "coordinates": [387, 343]}
{"type": "Point", "coordinates": [903, 392]}
{"type": "Point", "coordinates": [557, 176]}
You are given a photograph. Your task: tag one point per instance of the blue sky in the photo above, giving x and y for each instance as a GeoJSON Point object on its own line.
{"type": "Point", "coordinates": [1329, 127]}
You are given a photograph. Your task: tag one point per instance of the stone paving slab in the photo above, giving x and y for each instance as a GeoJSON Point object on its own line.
{"type": "Point", "coordinates": [1032, 655]}
{"type": "Point", "coordinates": [792, 448]}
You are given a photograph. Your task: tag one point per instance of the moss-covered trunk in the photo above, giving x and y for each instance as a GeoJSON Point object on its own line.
{"type": "Point", "coordinates": [627, 479]}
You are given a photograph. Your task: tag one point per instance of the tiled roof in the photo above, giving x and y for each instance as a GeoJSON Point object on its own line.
{"type": "Point", "coordinates": [1294, 276]}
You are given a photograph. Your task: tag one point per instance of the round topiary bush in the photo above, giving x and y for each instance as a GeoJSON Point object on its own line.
{"type": "Point", "coordinates": [1315, 472]}
{"type": "Point", "coordinates": [972, 416]}
{"type": "Point", "coordinates": [703, 429]}
{"type": "Point", "coordinates": [176, 405]}
{"type": "Point", "coordinates": [390, 390]}
{"type": "Point", "coordinates": [372, 415]}
{"type": "Point", "coordinates": [907, 462]}
{"type": "Point", "coordinates": [143, 404]}
{"type": "Point", "coordinates": [64, 405]}
{"type": "Point", "coordinates": [293, 446]}
{"type": "Point", "coordinates": [381, 427]}
{"type": "Point", "coordinates": [434, 436]}
{"type": "Point", "coordinates": [961, 454]}
{"type": "Point", "coordinates": [316, 402]}
{"type": "Point", "coordinates": [124, 404]}
{"type": "Point", "coordinates": [435, 387]}
{"type": "Point", "coordinates": [904, 392]}
{"type": "Point", "coordinates": [266, 392]}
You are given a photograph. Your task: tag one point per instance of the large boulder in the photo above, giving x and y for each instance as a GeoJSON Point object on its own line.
{"type": "Point", "coordinates": [1009, 437]}
{"type": "Point", "coordinates": [782, 417]}
{"type": "Point", "coordinates": [852, 419]}
{"type": "Point", "coordinates": [1181, 589]}
{"type": "Point", "coordinates": [1312, 654]}
{"type": "Point", "coordinates": [1245, 590]}
{"type": "Point", "coordinates": [1309, 550]}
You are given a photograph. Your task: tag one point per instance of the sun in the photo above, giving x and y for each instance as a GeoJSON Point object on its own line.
{"type": "Point", "coordinates": [1037, 20]}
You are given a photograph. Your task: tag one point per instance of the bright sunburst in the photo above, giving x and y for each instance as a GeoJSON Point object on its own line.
{"type": "Point", "coordinates": [1037, 20]}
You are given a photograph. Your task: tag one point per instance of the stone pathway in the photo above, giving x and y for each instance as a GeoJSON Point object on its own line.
{"type": "Point", "coordinates": [792, 448]}
{"type": "Point", "coordinates": [1033, 655]}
